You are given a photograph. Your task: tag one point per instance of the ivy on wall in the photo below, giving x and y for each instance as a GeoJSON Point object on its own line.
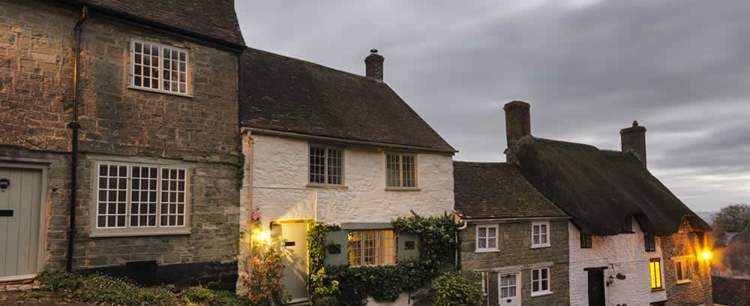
{"type": "Point", "coordinates": [350, 286]}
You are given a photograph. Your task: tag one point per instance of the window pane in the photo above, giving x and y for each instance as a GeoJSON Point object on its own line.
{"type": "Point", "coordinates": [317, 165]}
{"type": "Point", "coordinates": [112, 200]}
{"type": "Point", "coordinates": [143, 190]}
{"type": "Point", "coordinates": [334, 164]}
{"type": "Point", "coordinates": [173, 191]}
{"type": "Point", "coordinates": [355, 249]}
{"type": "Point", "coordinates": [393, 175]}
{"type": "Point", "coordinates": [387, 247]}
{"type": "Point", "coordinates": [409, 173]}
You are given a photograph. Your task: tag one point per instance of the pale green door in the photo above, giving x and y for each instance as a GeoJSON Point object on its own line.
{"type": "Point", "coordinates": [294, 242]}
{"type": "Point", "coordinates": [20, 206]}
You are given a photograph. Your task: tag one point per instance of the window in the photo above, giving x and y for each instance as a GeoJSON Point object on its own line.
{"type": "Point", "coordinates": [370, 248]}
{"type": "Point", "coordinates": [487, 238]}
{"type": "Point", "coordinates": [508, 286]}
{"type": "Point", "coordinates": [326, 165]}
{"type": "Point", "coordinates": [650, 242]}
{"type": "Point", "coordinates": [540, 282]}
{"type": "Point", "coordinates": [683, 269]}
{"type": "Point", "coordinates": [401, 171]}
{"type": "Point", "coordinates": [540, 234]}
{"type": "Point", "coordinates": [159, 68]}
{"type": "Point", "coordinates": [140, 196]}
{"type": "Point", "coordinates": [655, 272]}
{"type": "Point", "coordinates": [586, 241]}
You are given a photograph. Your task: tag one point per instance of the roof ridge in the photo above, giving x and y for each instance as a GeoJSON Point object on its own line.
{"type": "Point", "coordinates": [311, 63]}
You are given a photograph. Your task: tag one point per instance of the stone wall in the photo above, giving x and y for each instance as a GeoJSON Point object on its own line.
{"type": "Point", "coordinates": [624, 254]}
{"type": "Point", "coordinates": [36, 43]}
{"type": "Point", "coordinates": [698, 291]}
{"type": "Point", "coordinates": [515, 254]}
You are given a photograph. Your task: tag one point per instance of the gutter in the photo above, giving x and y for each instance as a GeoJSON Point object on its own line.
{"type": "Point", "coordinates": [75, 127]}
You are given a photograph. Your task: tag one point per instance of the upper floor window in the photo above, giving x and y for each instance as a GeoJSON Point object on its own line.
{"type": "Point", "coordinates": [401, 170]}
{"type": "Point", "coordinates": [540, 282]}
{"type": "Point", "coordinates": [649, 242]}
{"type": "Point", "coordinates": [159, 68]}
{"type": "Point", "coordinates": [655, 273]}
{"type": "Point", "coordinates": [586, 241]}
{"type": "Point", "coordinates": [683, 269]}
{"type": "Point", "coordinates": [370, 248]}
{"type": "Point", "coordinates": [487, 238]}
{"type": "Point", "coordinates": [326, 165]}
{"type": "Point", "coordinates": [136, 197]}
{"type": "Point", "coordinates": [540, 234]}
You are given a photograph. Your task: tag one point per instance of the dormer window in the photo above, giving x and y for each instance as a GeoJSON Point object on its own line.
{"type": "Point", "coordinates": [160, 68]}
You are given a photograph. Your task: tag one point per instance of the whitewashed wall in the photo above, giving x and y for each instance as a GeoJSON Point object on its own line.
{"type": "Point", "coordinates": [280, 179]}
{"type": "Point", "coordinates": [624, 253]}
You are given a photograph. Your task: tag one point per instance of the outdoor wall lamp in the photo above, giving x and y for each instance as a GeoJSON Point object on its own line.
{"type": "Point", "coordinates": [4, 184]}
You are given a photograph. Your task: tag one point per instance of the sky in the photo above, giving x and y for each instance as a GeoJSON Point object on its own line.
{"type": "Point", "coordinates": [587, 67]}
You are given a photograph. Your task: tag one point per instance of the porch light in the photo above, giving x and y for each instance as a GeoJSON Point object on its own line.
{"type": "Point", "coordinates": [706, 254]}
{"type": "Point", "coordinates": [262, 236]}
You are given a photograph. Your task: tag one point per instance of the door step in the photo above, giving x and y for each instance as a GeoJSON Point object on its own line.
{"type": "Point", "coordinates": [18, 285]}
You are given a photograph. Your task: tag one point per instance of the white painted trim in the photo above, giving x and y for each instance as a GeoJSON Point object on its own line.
{"type": "Point", "coordinates": [548, 233]}
{"type": "Point", "coordinates": [519, 287]}
{"type": "Point", "coordinates": [477, 249]}
{"type": "Point", "coordinates": [549, 282]}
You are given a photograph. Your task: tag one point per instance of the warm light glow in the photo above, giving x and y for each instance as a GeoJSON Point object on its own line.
{"type": "Point", "coordinates": [706, 254]}
{"type": "Point", "coordinates": [262, 236]}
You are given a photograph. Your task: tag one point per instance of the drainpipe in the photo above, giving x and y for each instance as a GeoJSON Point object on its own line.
{"type": "Point", "coordinates": [75, 126]}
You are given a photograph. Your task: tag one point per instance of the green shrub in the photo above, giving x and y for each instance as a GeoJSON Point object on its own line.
{"type": "Point", "coordinates": [104, 289]}
{"type": "Point", "coordinates": [228, 298]}
{"type": "Point", "coordinates": [454, 288]}
{"type": "Point", "coordinates": [60, 281]}
{"type": "Point", "coordinates": [199, 295]}
{"type": "Point", "coordinates": [157, 297]}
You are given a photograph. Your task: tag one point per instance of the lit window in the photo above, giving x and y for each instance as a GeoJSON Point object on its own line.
{"type": "Point", "coordinates": [371, 248]}
{"type": "Point", "coordinates": [159, 68]}
{"type": "Point", "coordinates": [540, 234]}
{"type": "Point", "coordinates": [487, 238]}
{"type": "Point", "coordinates": [128, 196]}
{"type": "Point", "coordinates": [401, 171]}
{"type": "Point", "coordinates": [650, 242]}
{"type": "Point", "coordinates": [540, 281]}
{"type": "Point", "coordinates": [586, 241]}
{"type": "Point", "coordinates": [326, 165]}
{"type": "Point", "coordinates": [655, 272]}
{"type": "Point", "coordinates": [683, 269]}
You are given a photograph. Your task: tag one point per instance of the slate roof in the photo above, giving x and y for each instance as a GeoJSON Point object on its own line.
{"type": "Point", "coordinates": [496, 191]}
{"type": "Point", "coordinates": [214, 19]}
{"type": "Point", "coordinates": [601, 190]}
{"type": "Point", "coordinates": [289, 95]}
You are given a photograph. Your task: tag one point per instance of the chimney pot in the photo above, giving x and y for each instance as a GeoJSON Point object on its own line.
{"type": "Point", "coordinates": [633, 139]}
{"type": "Point", "coordinates": [517, 121]}
{"type": "Point", "coordinates": [374, 65]}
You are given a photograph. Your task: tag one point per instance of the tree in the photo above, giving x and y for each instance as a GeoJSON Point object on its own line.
{"type": "Point", "coordinates": [733, 218]}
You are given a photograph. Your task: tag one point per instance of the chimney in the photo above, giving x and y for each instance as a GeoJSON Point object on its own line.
{"type": "Point", "coordinates": [517, 121]}
{"type": "Point", "coordinates": [634, 140]}
{"type": "Point", "coordinates": [374, 65]}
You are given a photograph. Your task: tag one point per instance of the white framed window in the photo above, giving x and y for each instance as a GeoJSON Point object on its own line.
{"type": "Point", "coordinates": [508, 285]}
{"type": "Point", "coordinates": [401, 170]}
{"type": "Point", "coordinates": [683, 267]}
{"type": "Point", "coordinates": [140, 198]}
{"type": "Point", "coordinates": [372, 248]}
{"type": "Point", "coordinates": [540, 234]}
{"type": "Point", "coordinates": [326, 166]}
{"type": "Point", "coordinates": [156, 67]}
{"type": "Point", "coordinates": [540, 282]}
{"type": "Point", "coordinates": [487, 238]}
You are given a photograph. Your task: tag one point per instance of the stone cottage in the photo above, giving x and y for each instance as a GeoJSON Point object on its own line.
{"type": "Point", "coordinates": [120, 150]}
{"type": "Point", "coordinates": [631, 240]}
{"type": "Point", "coordinates": [323, 145]}
{"type": "Point", "coordinates": [512, 235]}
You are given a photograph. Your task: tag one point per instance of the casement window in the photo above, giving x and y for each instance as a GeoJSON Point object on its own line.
{"type": "Point", "coordinates": [649, 242]}
{"type": "Point", "coordinates": [683, 268]}
{"type": "Point", "coordinates": [372, 248]}
{"type": "Point", "coordinates": [136, 197]}
{"type": "Point", "coordinates": [540, 281]}
{"type": "Point", "coordinates": [540, 234]}
{"type": "Point", "coordinates": [487, 238]}
{"type": "Point", "coordinates": [326, 165]}
{"type": "Point", "coordinates": [508, 286]}
{"type": "Point", "coordinates": [655, 273]}
{"type": "Point", "coordinates": [157, 67]}
{"type": "Point", "coordinates": [401, 170]}
{"type": "Point", "coordinates": [586, 241]}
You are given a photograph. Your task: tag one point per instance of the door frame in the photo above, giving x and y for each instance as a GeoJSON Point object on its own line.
{"type": "Point", "coordinates": [604, 282]}
{"type": "Point", "coordinates": [41, 251]}
{"type": "Point", "coordinates": [307, 223]}
{"type": "Point", "coordinates": [519, 286]}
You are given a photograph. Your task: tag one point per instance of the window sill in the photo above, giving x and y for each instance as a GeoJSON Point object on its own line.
{"type": "Point", "coordinates": [160, 92]}
{"type": "Point", "coordinates": [487, 251]}
{"type": "Point", "coordinates": [541, 246]}
{"type": "Point", "coordinates": [541, 293]}
{"type": "Point", "coordinates": [683, 282]}
{"type": "Point", "coordinates": [326, 186]}
{"type": "Point", "coordinates": [102, 233]}
{"type": "Point", "coordinates": [402, 189]}
{"type": "Point", "coordinates": [657, 289]}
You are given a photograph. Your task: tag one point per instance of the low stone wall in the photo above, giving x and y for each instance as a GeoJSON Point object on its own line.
{"type": "Point", "coordinates": [731, 291]}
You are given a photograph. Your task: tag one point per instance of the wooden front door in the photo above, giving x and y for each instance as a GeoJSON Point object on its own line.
{"type": "Point", "coordinates": [20, 209]}
{"type": "Point", "coordinates": [294, 242]}
{"type": "Point", "coordinates": [596, 287]}
{"type": "Point", "coordinates": [509, 289]}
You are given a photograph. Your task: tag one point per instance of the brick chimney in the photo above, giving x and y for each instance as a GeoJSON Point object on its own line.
{"type": "Point", "coordinates": [634, 140]}
{"type": "Point", "coordinates": [517, 121]}
{"type": "Point", "coordinates": [374, 65]}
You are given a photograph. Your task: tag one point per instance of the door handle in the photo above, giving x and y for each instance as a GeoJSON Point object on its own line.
{"type": "Point", "coordinates": [6, 213]}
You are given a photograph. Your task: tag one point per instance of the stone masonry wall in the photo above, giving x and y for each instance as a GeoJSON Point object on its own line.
{"type": "Point", "coordinates": [36, 42]}
{"type": "Point", "coordinates": [699, 290]}
{"type": "Point", "coordinates": [516, 253]}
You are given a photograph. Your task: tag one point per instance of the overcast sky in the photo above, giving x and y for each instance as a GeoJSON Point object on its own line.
{"type": "Point", "coordinates": [588, 68]}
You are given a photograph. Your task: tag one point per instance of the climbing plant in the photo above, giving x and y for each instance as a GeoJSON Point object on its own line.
{"type": "Point", "coordinates": [265, 268]}
{"type": "Point", "coordinates": [350, 286]}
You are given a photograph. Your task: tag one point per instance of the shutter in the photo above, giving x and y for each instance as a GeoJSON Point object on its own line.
{"type": "Point", "coordinates": [336, 248]}
{"type": "Point", "coordinates": [408, 247]}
